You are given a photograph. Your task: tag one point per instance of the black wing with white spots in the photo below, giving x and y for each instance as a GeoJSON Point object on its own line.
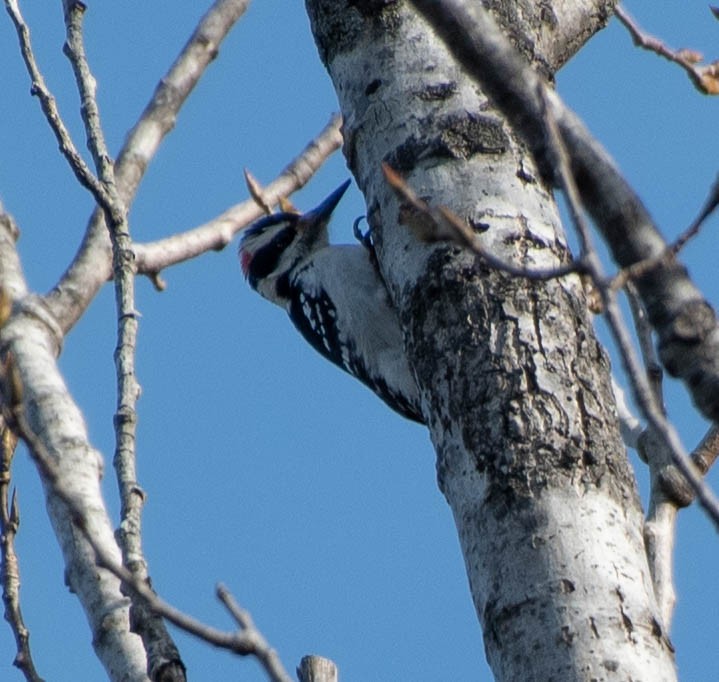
{"type": "Point", "coordinates": [315, 317]}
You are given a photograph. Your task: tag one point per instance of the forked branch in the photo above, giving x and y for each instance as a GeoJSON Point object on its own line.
{"type": "Point", "coordinates": [92, 266]}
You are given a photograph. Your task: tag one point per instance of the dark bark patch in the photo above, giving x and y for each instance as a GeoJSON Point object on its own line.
{"type": "Point", "coordinates": [457, 136]}
{"type": "Point", "coordinates": [373, 87]}
{"type": "Point", "coordinates": [370, 8]}
{"type": "Point", "coordinates": [437, 91]}
{"type": "Point", "coordinates": [566, 586]}
{"type": "Point", "coordinates": [477, 225]}
{"type": "Point", "coordinates": [339, 26]}
{"type": "Point", "coordinates": [465, 136]}
{"type": "Point", "coordinates": [520, 434]}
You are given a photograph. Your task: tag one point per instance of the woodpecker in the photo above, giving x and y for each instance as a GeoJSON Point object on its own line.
{"type": "Point", "coordinates": [334, 296]}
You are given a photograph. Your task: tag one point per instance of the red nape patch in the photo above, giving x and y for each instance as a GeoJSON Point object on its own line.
{"type": "Point", "coordinates": [245, 260]}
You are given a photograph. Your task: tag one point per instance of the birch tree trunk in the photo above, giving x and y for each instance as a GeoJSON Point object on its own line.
{"type": "Point", "coordinates": [515, 386]}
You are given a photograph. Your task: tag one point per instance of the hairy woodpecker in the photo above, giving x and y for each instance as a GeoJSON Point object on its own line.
{"type": "Point", "coordinates": [335, 297]}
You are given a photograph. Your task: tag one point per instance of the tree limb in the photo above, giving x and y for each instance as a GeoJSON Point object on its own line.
{"type": "Point", "coordinates": [661, 516]}
{"type": "Point", "coordinates": [247, 641]}
{"type": "Point", "coordinates": [29, 338]}
{"type": "Point", "coordinates": [317, 669]}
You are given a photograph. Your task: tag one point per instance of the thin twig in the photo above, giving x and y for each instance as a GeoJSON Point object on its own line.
{"type": "Point", "coordinates": [257, 192]}
{"type": "Point", "coordinates": [162, 652]}
{"type": "Point", "coordinates": [660, 523]}
{"type": "Point", "coordinates": [263, 651]}
{"type": "Point", "coordinates": [704, 77]}
{"type": "Point", "coordinates": [441, 224]}
{"type": "Point", "coordinates": [153, 257]}
{"type": "Point", "coordinates": [9, 566]}
{"type": "Point", "coordinates": [49, 106]}
{"type": "Point", "coordinates": [706, 453]}
{"type": "Point", "coordinates": [655, 374]}
{"type": "Point", "coordinates": [703, 458]}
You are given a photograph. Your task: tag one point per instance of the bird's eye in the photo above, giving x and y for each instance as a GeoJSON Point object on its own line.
{"type": "Point", "coordinates": [266, 259]}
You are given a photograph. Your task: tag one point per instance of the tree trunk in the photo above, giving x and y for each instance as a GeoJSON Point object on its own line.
{"type": "Point", "coordinates": [515, 386]}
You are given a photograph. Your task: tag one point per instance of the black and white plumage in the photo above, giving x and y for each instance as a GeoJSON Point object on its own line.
{"type": "Point", "coordinates": [335, 297]}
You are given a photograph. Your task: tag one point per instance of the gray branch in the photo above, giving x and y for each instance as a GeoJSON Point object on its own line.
{"type": "Point", "coordinates": [317, 669]}
{"type": "Point", "coordinates": [163, 658]}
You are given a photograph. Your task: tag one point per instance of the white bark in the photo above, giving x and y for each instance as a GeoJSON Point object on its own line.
{"type": "Point", "coordinates": [515, 384]}
{"type": "Point", "coordinates": [31, 338]}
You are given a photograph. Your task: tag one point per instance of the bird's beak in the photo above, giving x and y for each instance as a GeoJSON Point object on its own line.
{"type": "Point", "coordinates": [322, 213]}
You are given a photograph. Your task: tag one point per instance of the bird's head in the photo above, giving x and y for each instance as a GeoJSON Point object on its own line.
{"type": "Point", "coordinates": [276, 244]}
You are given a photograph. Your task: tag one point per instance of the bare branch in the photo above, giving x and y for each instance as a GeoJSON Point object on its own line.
{"type": "Point", "coordinates": [642, 267]}
{"type": "Point", "coordinates": [49, 107]}
{"type": "Point", "coordinates": [32, 383]}
{"type": "Point", "coordinates": [712, 201]}
{"type": "Point", "coordinates": [163, 656]}
{"type": "Point", "coordinates": [92, 267]}
{"type": "Point", "coordinates": [659, 537]}
{"type": "Point", "coordinates": [660, 524]}
{"type": "Point", "coordinates": [703, 457]}
{"type": "Point", "coordinates": [10, 566]}
{"type": "Point", "coordinates": [653, 413]}
{"type": "Point", "coordinates": [263, 651]}
{"type": "Point", "coordinates": [705, 78]}
{"type": "Point", "coordinates": [217, 233]}
{"type": "Point", "coordinates": [654, 371]}
{"type": "Point", "coordinates": [705, 454]}
{"type": "Point", "coordinates": [256, 192]}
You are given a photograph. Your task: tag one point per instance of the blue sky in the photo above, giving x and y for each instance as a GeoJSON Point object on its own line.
{"type": "Point", "coordinates": [265, 467]}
